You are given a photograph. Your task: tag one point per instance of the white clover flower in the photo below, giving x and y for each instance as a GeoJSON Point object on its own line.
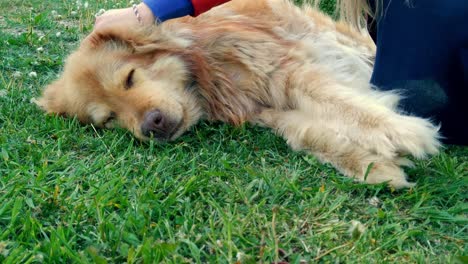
{"type": "Point", "coordinates": [219, 243]}
{"type": "Point", "coordinates": [356, 229]}
{"type": "Point", "coordinates": [181, 235]}
{"type": "Point", "coordinates": [100, 12]}
{"type": "Point", "coordinates": [30, 140]}
{"type": "Point", "coordinates": [73, 13]}
{"type": "Point", "coordinates": [240, 256]}
{"type": "Point", "coordinates": [374, 201]}
{"type": "Point", "coordinates": [53, 13]}
{"type": "Point", "coordinates": [3, 248]}
{"type": "Point", "coordinates": [32, 74]}
{"type": "Point", "coordinates": [39, 257]}
{"type": "Point", "coordinates": [86, 5]}
{"type": "Point", "coordinates": [58, 34]}
{"type": "Point", "coordinates": [40, 49]}
{"type": "Point", "coordinates": [17, 74]}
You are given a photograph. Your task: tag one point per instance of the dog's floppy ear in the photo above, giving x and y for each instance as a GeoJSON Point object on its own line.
{"type": "Point", "coordinates": [132, 35]}
{"type": "Point", "coordinates": [52, 100]}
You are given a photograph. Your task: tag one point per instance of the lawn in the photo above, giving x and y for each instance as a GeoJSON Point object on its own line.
{"type": "Point", "coordinates": [219, 194]}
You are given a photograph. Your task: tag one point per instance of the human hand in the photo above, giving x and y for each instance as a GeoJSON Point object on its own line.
{"type": "Point", "coordinates": [121, 21]}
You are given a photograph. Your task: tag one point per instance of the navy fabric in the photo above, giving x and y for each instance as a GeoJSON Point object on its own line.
{"type": "Point", "coordinates": [464, 61]}
{"type": "Point", "coordinates": [164, 9]}
{"type": "Point", "coordinates": [422, 50]}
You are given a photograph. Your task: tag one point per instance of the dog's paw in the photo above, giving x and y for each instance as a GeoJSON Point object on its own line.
{"type": "Point", "coordinates": [388, 172]}
{"type": "Point", "coordinates": [415, 136]}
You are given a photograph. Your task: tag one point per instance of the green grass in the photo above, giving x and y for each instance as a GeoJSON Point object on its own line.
{"type": "Point", "coordinates": [219, 194]}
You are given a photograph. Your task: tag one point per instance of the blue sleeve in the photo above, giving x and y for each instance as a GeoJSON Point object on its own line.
{"type": "Point", "coordinates": [167, 9]}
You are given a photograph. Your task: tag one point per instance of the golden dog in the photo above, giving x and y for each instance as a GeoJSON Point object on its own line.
{"type": "Point", "coordinates": [267, 62]}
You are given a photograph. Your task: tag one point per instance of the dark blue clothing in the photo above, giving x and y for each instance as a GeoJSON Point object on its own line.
{"type": "Point", "coordinates": [164, 10]}
{"type": "Point", "coordinates": [422, 50]}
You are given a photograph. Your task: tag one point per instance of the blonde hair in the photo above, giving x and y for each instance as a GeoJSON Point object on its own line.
{"type": "Point", "coordinates": [355, 12]}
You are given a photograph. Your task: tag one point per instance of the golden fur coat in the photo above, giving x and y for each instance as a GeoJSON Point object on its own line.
{"type": "Point", "coordinates": [267, 62]}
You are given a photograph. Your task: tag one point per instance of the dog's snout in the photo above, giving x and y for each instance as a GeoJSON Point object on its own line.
{"type": "Point", "coordinates": [157, 125]}
{"type": "Point", "coordinates": [155, 118]}
{"type": "Point", "coordinates": [153, 124]}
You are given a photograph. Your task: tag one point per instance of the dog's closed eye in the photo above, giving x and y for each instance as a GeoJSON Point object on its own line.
{"type": "Point", "coordinates": [129, 80]}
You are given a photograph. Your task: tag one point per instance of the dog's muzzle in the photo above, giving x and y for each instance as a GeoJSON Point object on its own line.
{"type": "Point", "coordinates": [159, 126]}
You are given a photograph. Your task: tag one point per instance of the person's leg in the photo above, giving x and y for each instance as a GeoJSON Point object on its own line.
{"type": "Point", "coordinates": [418, 52]}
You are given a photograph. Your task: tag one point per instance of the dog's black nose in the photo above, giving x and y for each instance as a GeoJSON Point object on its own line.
{"type": "Point", "coordinates": [153, 124]}
{"type": "Point", "coordinates": [157, 125]}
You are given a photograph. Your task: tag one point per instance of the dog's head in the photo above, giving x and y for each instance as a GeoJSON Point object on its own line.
{"type": "Point", "coordinates": [138, 84]}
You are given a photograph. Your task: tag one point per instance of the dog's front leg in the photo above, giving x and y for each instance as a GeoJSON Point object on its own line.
{"type": "Point", "coordinates": [321, 138]}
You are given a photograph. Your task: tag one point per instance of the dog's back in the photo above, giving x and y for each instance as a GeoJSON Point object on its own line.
{"type": "Point", "coordinates": [347, 54]}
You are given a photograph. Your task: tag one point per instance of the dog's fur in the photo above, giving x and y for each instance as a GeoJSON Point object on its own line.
{"type": "Point", "coordinates": [267, 62]}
